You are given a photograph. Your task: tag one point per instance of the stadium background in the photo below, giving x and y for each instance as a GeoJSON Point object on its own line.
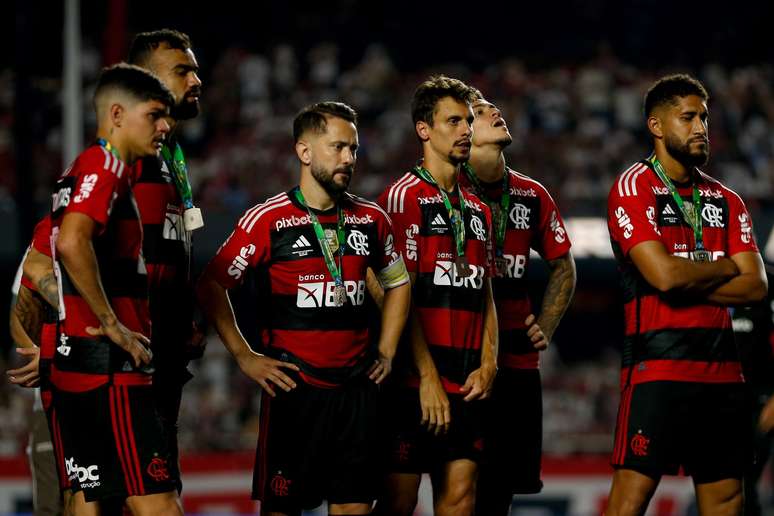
{"type": "Point", "coordinates": [569, 78]}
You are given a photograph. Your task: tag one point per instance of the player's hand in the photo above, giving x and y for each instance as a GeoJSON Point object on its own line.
{"type": "Point", "coordinates": [766, 420]}
{"type": "Point", "coordinates": [29, 374]}
{"type": "Point", "coordinates": [436, 412]}
{"type": "Point", "coordinates": [535, 333]}
{"type": "Point", "coordinates": [478, 385]}
{"type": "Point", "coordinates": [267, 371]}
{"type": "Point", "coordinates": [134, 343]}
{"type": "Point", "coordinates": [381, 368]}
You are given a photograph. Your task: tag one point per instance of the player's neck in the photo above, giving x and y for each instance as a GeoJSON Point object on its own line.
{"type": "Point", "coordinates": [674, 169]}
{"type": "Point", "coordinates": [315, 195]}
{"type": "Point", "coordinates": [444, 172]}
{"type": "Point", "coordinates": [488, 163]}
{"type": "Point", "coordinates": [118, 144]}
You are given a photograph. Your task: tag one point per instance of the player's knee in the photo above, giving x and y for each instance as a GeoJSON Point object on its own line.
{"type": "Point", "coordinates": [625, 504]}
{"type": "Point", "coordinates": [160, 506]}
{"type": "Point", "coordinates": [457, 498]}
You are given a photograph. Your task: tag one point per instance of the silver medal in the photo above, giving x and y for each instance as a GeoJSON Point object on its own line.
{"type": "Point", "coordinates": [339, 295]}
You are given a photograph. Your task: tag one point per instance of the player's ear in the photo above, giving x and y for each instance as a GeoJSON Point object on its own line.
{"type": "Point", "coordinates": [423, 130]}
{"type": "Point", "coordinates": [116, 114]}
{"type": "Point", "coordinates": [304, 152]}
{"type": "Point", "coordinates": [654, 126]}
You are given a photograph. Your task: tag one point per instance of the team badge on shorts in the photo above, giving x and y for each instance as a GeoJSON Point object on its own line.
{"type": "Point", "coordinates": [280, 485]}
{"type": "Point", "coordinates": [640, 444]}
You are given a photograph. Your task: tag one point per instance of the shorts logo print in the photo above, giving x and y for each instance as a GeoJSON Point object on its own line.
{"type": "Point", "coordinates": [157, 469]}
{"type": "Point", "coordinates": [280, 485]}
{"type": "Point", "coordinates": [403, 451]}
{"type": "Point", "coordinates": [640, 444]}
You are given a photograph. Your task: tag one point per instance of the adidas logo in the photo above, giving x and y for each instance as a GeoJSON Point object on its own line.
{"type": "Point", "coordinates": [438, 221]}
{"type": "Point", "coordinates": [301, 246]}
{"type": "Point", "coordinates": [668, 210]}
{"type": "Point", "coordinates": [301, 242]}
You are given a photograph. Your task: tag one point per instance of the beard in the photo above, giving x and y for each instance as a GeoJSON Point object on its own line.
{"type": "Point", "coordinates": [327, 179]}
{"type": "Point", "coordinates": [186, 109]}
{"type": "Point", "coordinates": [681, 151]}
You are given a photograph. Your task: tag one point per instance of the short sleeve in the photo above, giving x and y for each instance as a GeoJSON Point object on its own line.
{"type": "Point", "coordinates": [388, 263]}
{"type": "Point", "coordinates": [41, 236]}
{"type": "Point", "coordinates": [631, 213]}
{"type": "Point", "coordinates": [406, 218]}
{"type": "Point", "coordinates": [552, 240]}
{"type": "Point", "coordinates": [740, 232]}
{"type": "Point", "coordinates": [242, 249]}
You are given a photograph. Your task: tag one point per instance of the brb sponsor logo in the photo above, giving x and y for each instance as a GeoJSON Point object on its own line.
{"type": "Point", "coordinates": [87, 186]}
{"type": "Point", "coordinates": [240, 262]}
{"type": "Point", "coordinates": [87, 477]}
{"type": "Point", "coordinates": [624, 222]}
{"type": "Point", "coordinates": [317, 293]}
{"type": "Point", "coordinates": [445, 275]}
{"type": "Point", "coordinates": [515, 266]}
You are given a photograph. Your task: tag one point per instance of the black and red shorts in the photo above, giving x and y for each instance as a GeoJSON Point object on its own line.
{"type": "Point", "coordinates": [112, 441]}
{"type": "Point", "coordinates": [411, 448]}
{"type": "Point", "coordinates": [317, 444]}
{"type": "Point", "coordinates": [513, 433]}
{"type": "Point", "coordinates": [664, 426]}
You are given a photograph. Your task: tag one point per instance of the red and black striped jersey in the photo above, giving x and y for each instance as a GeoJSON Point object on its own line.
{"type": "Point", "coordinates": [98, 185]}
{"type": "Point", "coordinates": [166, 247]}
{"type": "Point", "coordinates": [450, 308]}
{"type": "Point", "coordinates": [669, 338]}
{"type": "Point", "coordinates": [329, 343]}
{"type": "Point", "coordinates": [533, 222]}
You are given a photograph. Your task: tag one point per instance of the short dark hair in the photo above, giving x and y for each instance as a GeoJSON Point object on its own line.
{"type": "Point", "coordinates": [667, 89]}
{"type": "Point", "coordinates": [435, 88]}
{"type": "Point", "coordinates": [134, 81]}
{"type": "Point", "coordinates": [315, 117]}
{"type": "Point", "coordinates": [145, 43]}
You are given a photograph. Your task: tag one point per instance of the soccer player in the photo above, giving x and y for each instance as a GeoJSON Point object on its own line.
{"type": "Point", "coordinates": [524, 217]}
{"type": "Point", "coordinates": [112, 440]}
{"type": "Point", "coordinates": [685, 248]}
{"type": "Point", "coordinates": [315, 244]}
{"type": "Point", "coordinates": [164, 199]}
{"type": "Point", "coordinates": [451, 342]}
{"type": "Point", "coordinates": [33, 328]}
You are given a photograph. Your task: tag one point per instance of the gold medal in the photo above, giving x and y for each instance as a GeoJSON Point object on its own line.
{"type": "Point", "coordinates": [702, 255]}
{"type": "Point", "coordinates": [339, 295]}
{"type": "Point", "coordinates": [333, 240]}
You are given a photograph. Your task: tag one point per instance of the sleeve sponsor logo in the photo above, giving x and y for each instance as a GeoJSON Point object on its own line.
{"type": "Point", "coordinates": [61, 199]}
{"type": "Point", "coordinates": [87, 186]}
{"type": "Point", "coordinates": [560, 234]}
{"type": "Point", "coordinates": [411, 243]}
{"type": "Point", "coordinates": [745, 228]}
{"type": "Point", "coordinates": [321, 294]}
{"type": "Point", "coordinates": [445, 275]}
{"type": "Point", "coordinates": [240, 262]}
{"type": "Point", "coordinates": [651, 214]}
{"type": "Point", "coordinates": [624, 222]}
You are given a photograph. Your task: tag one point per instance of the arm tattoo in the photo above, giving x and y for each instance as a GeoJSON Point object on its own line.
{"type": "Point", "coordinates": [49, 289]}
{"type": "Point", "coordinates": [29, 312]}
{"type": "Point", "coordinates": [559, 291]}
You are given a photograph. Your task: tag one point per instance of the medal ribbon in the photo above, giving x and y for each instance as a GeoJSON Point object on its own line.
{"type": "Point", "coordinates": [457, 222]}
{"type": "Point", "coordinates": [330, 262]}
{"type": "Point", "coordinates": [692, 219]}
{"type": "Point", "coordinates": [179, 173]}
{"type": "Point", "coordinates": [499, 216]}
{"type": "Point", "coordinates": [108, 147]}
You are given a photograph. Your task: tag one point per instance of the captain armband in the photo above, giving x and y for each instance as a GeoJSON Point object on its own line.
{"type": "Point", "coordinates": [394, 275]}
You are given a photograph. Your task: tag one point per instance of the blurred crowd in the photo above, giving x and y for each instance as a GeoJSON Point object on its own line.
{"type": "Point", "coordinates": [574, 126]}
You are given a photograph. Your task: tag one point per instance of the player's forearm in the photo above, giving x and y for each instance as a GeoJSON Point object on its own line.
{"type": "Point", "coordinates": [558, 293]}
{"type": "Point", "coordinates": [19, 333]}
{"type": "Point", "coordinates": [216, 305]}
{"type": "Point", "coordinates": [397, 302]}
{"type": "Point", "coordinates": [76, 252]}
{"type": "Point", "coordinates": [423, 360]}
{"type": "Point", "coordinates": [683, 275]}
{"type": "Point", "coordinates": [491, 338]}
{"type": "Point", "coordinates": [39, 269]}
{"type": "Point", "coordinates": [743, 289]}
{"type": "Point", "coordinates": [375, 289]}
